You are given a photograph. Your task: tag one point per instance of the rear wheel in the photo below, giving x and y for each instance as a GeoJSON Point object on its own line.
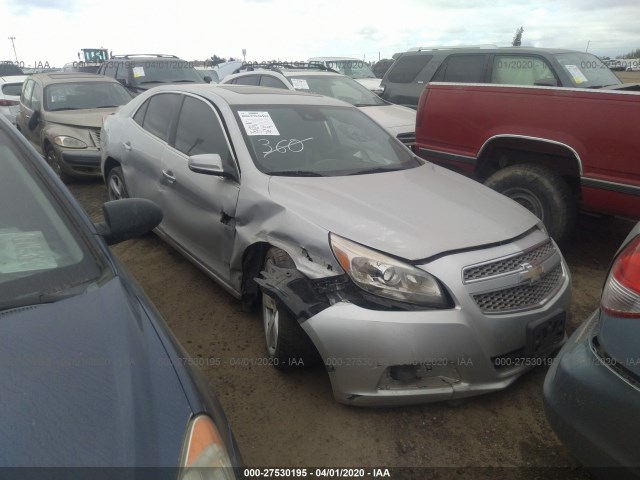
{"type": "Point", "coordinates": [288, 345]}
{"type": "Point", "coordinates": [116, 188]}
{"type": "Point", "coordinates": [541, 191]}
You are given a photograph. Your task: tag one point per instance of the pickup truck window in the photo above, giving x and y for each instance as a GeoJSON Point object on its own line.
{"type": "Point", "coordinates": [521, 70]}
{"type": "Point", "coordinates": [462, 68]}
{"type": "Point", "coordinates": [407, 68]}
{"type": "Point", "coordinates": [586, 70]}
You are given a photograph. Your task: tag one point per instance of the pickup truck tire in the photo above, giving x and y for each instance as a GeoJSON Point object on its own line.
{"type": "Point", "coordinates": [288, 345]}
{"type": "Point", "coordinates": [541, 191]}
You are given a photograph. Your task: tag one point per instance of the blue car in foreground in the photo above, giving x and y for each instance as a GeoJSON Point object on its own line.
{"type": "Point", "coordinates": [90, 374]}
{"type": "Point", "coordinates": [592, 390]}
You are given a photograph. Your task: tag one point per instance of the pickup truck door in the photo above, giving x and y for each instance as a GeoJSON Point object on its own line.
{"type": "Point", "coordinates": [199, 209]}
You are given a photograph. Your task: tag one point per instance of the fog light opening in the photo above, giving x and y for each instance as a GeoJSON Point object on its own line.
{"type": "Point", "coordinates": [419, 375]}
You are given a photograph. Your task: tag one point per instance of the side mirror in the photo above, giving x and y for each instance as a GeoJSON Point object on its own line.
{"type": "Point", "coordinates": [207, 78]}
{"type": "Point", "coordinates": [209, 164]}
{"type": "Point", "coordinates": [128, 218]}
{"type": "Point", "coordinates": [34, 120]}
{"type": "Point", "coordinates": [546, 82]}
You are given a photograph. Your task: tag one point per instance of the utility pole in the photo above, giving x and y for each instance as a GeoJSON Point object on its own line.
{"type": "Point", "coordinates": [14, 47]}
{"type": "Point", "coordinates": [587, 49]}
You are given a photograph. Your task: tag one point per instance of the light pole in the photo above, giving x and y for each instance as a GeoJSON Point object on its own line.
{"type": "Point", "coordinates": [587, 49]}
{"type": "Point", "coordinates": [14, 47]}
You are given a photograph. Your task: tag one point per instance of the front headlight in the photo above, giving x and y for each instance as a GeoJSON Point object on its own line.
{"type": "Point", "coordinates": [387, 277]}
{"type": "Point", "coordinates": [204, 455]}
{"type": "Point", "coordinates": [69, 142]}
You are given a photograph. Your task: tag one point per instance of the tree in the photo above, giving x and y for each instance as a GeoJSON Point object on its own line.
{"type": "Point", "coordinates": [517, 39]}
{"type": "Point", "coordinates": [215, 60]}
{"type": "Point", "coordinates": [633, 54]}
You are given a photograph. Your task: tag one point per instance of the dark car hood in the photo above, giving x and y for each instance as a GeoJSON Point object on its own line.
{"type": "Point", "coordinates": [86, 382]}
{"type": "Point", "coordinates": [413, 214]}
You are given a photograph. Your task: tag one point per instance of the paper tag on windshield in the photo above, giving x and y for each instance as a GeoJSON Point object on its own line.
{"type": "Point", "coordinates": [576, 73]}
{"type": "Point", "coordinates": [300, 84]}
{"type": "Point", "coordinates": [24, 252]}
{"type": "Point", "coordinates": [258, 123]}
{"type": "Point", "coordinates": [138, 72]}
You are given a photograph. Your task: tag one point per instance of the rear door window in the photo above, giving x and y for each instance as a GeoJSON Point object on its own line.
{"type": "Point", "coordinates": [247, 80]}
{"type": "Point", "coordinates": [463, 69]}
{"type": "Point", "coordinates": [269, 81]}
{"type": "Point", "coordinates": [407, 68]}
{"type": "Point", "coordinates": [160, 113]}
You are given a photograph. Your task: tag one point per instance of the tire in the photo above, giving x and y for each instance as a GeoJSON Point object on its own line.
{"type": "Point", "coordinates": [116, 188]}
{"type": "Point", "coordinates": [287, 344]}
{"type": "Point", "coordinates": [54, 162]}
{"type": "Point", "coordinates": [541, 191]}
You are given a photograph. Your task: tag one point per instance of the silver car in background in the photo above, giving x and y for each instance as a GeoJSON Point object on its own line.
{"type": "Point", "coordinates": [411, 283]}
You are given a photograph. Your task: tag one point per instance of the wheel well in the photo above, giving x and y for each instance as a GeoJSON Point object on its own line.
{"type": "Point", "coordinates": [252, 261]}
{"type": "Point", "coordinates": [109, 164]}
{"type": "Point", "coordinates": [503, 152]}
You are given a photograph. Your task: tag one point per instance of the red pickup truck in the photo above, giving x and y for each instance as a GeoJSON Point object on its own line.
{"type": "Point", "coordinates": [553, 150]}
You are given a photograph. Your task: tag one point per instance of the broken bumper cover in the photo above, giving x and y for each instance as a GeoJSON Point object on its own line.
{"type": "Point", "coordinates": [389, 358]}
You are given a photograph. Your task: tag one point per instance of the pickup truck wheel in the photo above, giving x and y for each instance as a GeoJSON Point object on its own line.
{"type": "Point", "coordinates": [288, 345]}
{"type": "Point", "coordinates": [541, 191]}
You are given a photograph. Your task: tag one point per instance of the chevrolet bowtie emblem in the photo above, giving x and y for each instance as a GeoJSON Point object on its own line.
{"type": "Point", "coordinates": [531, 273]}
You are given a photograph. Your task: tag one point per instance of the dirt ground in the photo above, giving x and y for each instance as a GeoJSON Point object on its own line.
{"type": "Point", "coordinates": [291, 419]}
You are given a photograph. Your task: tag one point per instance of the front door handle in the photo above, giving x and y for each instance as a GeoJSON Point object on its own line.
{"type": "Point", "coordinates": [168, 174]}
{"type": "Point", "coordinates": [127, 146]}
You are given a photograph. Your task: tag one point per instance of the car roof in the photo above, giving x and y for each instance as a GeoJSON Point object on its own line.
{"type": "Point", "coordinates": [467, 50]}
{"type": "Point", "coordinates": [69, 77]}
{"type": "Point", "coordinates": [250, 95]}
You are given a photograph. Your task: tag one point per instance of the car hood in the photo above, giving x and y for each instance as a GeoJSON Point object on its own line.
{"type": "Point", "coordinates": [91, 118]}
{"type": "Point", "coordinates": [85, 381]}
{"type": "Point", "coordinates": [370, 83]}
{"type": "Point", "coordinates": [394, 118]}
{"type": "Point", "coordinates": [413, 214]}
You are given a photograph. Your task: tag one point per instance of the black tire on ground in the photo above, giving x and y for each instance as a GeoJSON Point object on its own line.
{"type": "Point", "coordinates": [541, 191]}
{"type": "Point", "coordinates": [287, 344]}
{"type": "Point", "coordinates": [116, 188]}
{"type": "Point", "coordinates": [54, 162]}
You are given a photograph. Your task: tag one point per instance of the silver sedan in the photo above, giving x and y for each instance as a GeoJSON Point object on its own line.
{"type": "Point", "coordinates": [409, 282]}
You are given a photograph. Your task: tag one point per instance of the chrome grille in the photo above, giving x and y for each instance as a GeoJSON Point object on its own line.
{"type": "Point", "coordinates": [408, 138]}
{"type": "Point", "coordinates": [511, 264]}
{"type": "Point", "coordinates": [95, 136]}
{"type": "Point", "coordinates": [521, 297]}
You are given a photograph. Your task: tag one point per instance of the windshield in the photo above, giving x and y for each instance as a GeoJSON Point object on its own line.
{"type": "Point", "coordinates": [342, 88]}
{"type": "Point", "coordinates": [350, 68]}
{"type": "Point", "coordinates": [164, 71]}
{"type": "Point", "coordinates": [315, 140]}
{"type": "Point", "coordinates": [80, 96]}
{"type": "Point", "coordinates": [586, 70]}
{"type": "Point", "coordinates": [42, 254]}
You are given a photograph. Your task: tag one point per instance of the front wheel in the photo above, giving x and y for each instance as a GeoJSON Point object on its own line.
{"type": "Point", "coordinates": [541, 191]}
{"type": "Point", "coordinates": [54, 162]}
{"type": "Point", "coordinates": [288, 345]}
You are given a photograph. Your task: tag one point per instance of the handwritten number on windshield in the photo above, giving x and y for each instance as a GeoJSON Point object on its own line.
{"type": "Point", "coordinates": [283, 146]}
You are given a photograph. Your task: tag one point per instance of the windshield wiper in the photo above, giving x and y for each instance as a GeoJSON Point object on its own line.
{"type": "Point", "coordinates": [107, 106]}
{"type": "Point", "coordinates": [296, 173]}
{"type": "Point", "coordinates": [377, 170]}
{"type": "Point", "coordinates": [65, 108]}
{"type": "Point", "coordinates": [152, 81]}
{"type": "Point", "coordinates": [38, 298]}
{"type": "Point", "coordinates": [181, 81]}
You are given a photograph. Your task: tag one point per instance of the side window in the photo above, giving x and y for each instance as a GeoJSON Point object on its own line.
{"type": "Point", "coordinates": [199, 130]}
{"type": "Point", "coordinates": [247, 80]}
{"type": "Point", "coordinates": [462, 68]}
{"type": "Point", "coordinates": [160, 112]}
{"type": "Point", "coordinates": [407, 68]}
{"type": "Point", "coordinates": [36, 98]}
{"type": "Point", "coordinates": [139, 116]}
{"type": "Point", "coordinates": [110, 68]}
{"type": "Point", "coordinates": [25, 98]}
{"type": "Point", "coordinates": [521, 70]}
{"type": "Point", "coordinates": [269, 81]}
{"type": "Point", "coordinates": [122, 71]}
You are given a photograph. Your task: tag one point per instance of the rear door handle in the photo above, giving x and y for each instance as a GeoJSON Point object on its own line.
{"type": "Point", "coordinates": [127, 146]}
{"type": "Point", "coordinates": [168, 174]}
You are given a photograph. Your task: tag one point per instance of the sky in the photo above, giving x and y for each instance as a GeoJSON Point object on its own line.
{"type": "Point", "coordinates": [53, 31]}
